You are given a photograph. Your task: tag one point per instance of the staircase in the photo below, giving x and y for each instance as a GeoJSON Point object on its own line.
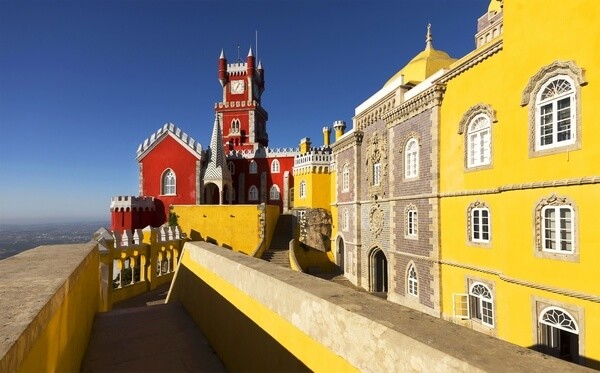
{"type": "Point", "coordinates": [278, 252]}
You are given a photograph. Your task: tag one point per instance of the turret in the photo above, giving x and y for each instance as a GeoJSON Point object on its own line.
{"type": "Point", "coordinates": [326, 136]}
{"type": "Point", "coordinates": [339, 126]}
{"type": "Point", "coordinates": [305, 145]}
{"type": "Point", "coordinates": [222, 69]}
{"type": "Point", "coordinates": [250, 64]}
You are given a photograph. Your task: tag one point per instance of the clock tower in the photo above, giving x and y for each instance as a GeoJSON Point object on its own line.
{"type": "Point", "coordinates": [243, 118]}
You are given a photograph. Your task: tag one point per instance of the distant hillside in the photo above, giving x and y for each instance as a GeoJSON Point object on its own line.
{"type": "Point", "coordinates": [17, 238]}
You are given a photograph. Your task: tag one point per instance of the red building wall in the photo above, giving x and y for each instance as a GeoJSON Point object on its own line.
{"type": "Point", "coordinates": [169, 153]}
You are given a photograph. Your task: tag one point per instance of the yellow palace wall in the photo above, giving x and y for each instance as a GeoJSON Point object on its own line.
{"type": "Point", "coordinates": [317, 191]}
{"type": "Point", "coordinates": [516, 181]}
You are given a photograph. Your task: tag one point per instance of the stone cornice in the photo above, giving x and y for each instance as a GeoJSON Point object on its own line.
{"type": "Point", "coordinates": [473, 60]}
{"type": "Point", "coordinates": [427, 99]}
{"type": "Point", "coordinates": [348, 141]}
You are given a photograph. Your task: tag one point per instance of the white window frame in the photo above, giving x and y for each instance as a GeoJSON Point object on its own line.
{"type": "Point", "coordinates": [479, 141]}
{"type": "Point", "coordinates": [346, 178]}
{"type": "Point", "coordinates": [168, 183]}
{"type": "Point", "coordinates": [253, 193]}
{"type": "Point", "coordinates": [302, 190]}
{"type": "Point", "coordinates": [275, 166]}
{"type": "Point", "coordinates": [412, 222]}
{"type": "Point", "coordinates": [411, 159]}
{"type": "Point", "coordinates": [485, 304]}
{"type": "Point", "coordinates": [376, 173]}
{"type": "Point", "coordinates": [553, 102]}
{"type": "Point", "coordinates": [413, 281]}
{"type": "Point", "coordinates": [478, 225]}
{"type": "Point", "coordinates": [345, 219]}
{"type": "Point", "coordinates": [274, 193]}
{"type": "Point", "coordinates": [553, 230]}
{"type": "Point", "coordinates": [252, 167]}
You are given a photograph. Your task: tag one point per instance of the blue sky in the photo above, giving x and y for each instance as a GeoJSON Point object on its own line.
{"type": "Point", "coordinates": [82, 83]}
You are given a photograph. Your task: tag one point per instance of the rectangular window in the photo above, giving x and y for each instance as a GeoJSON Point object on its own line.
{"type": "Point", "coordinates": [411, 223]}
{"type": "Point", "coordinates": [376, 174]}
{"type": "Point", "coordinates": [480, 221]}
{"type": "Point", "coordinates": [460, 306]}
{"type": "Point", "coordinates": [558, 229]}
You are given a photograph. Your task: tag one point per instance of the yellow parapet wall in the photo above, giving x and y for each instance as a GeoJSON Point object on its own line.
{"type": "Point", "coordinates": [262, 317]}
{"type": "Point", "coordinates": [49, 296]}
{"type": "Point", "coordinates": [237, 227]}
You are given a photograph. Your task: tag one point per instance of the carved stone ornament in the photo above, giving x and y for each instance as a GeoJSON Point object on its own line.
{"type": "Point", "coordinates": [377, 153]}
{"type": "Point", "coordinates": [376, 219]}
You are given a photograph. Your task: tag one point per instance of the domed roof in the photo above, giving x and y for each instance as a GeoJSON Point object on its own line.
{"type": "Point", "coordinates": [424, 64]}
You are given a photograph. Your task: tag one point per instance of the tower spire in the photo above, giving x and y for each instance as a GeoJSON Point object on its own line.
{"type": "Point", "coordinates": [428, 38]}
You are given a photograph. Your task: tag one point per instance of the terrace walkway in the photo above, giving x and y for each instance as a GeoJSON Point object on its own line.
{"type": "Point", "coordinates": [145, 334]}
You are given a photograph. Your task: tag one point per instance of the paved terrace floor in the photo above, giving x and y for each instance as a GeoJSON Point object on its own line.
{"type": "Point", "coordinates": [143, 334]}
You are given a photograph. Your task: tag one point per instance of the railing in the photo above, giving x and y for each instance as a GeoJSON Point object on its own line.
{"type": "Point", "coordinates": [133, 262]}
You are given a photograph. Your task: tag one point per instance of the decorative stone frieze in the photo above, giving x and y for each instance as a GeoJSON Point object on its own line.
{"type": "Point", "coordinates": [377, 154]}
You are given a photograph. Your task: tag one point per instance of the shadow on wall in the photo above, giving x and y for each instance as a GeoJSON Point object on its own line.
{"type": "Point", "coordinates": [580, 360]}
{"type": "Point", "coordinates": [196, 236]}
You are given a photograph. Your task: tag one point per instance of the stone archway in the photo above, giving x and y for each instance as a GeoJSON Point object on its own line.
{"type": "Point", "coordinates": [378, 266]}
{"type": "Point", "coordinates": [340, 252]}
{"type": "Point", "coordinates": [211, 194]}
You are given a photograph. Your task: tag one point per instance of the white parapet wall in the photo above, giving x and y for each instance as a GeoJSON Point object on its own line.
{"type": "Point", "coordinates": [324, 325]}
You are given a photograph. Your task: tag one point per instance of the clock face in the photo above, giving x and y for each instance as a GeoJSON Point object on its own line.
{"type": "Point", "coordinates": [238, 86]}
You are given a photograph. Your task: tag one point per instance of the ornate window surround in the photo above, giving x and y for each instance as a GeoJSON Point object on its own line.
{"type": "Point", "coordinates": [411, 232]}
{"type": "Point", "coordinates": [463, 129]}
{"type": "Point", "coordinates": [539, 251]}
{"type": "Point", "coordinates": [408, 161]}
{"type": "Point", "coordinates": [377, 154]}
{"type": "Point", "coordinates": [529, 98]}
{"type": "Point", "coordinates": [345, 219]}
{"type": "Point", "coordinates": [302, 190]}
{"type": "Point", "coordinates": [470, 241]}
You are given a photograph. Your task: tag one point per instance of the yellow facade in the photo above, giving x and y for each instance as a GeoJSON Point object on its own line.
{"type": "Point", "coordinates": [504, 80]}
{"type": "Point", "coordinates": [317, 190]}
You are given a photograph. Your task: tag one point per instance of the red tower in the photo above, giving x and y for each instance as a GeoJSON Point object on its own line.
{"type": "Point", "coordinates": [242, 116]}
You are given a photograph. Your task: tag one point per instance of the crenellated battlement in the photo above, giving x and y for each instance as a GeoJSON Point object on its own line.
{"type": "Point", "coordinates": [177, 133]}
{"type": "Point", "coordinates": [263, 152]}
{"type": "Point", "coordinates": [237, 104]}
{"type": "Point", "coordinates": [132, 203]}
{"type": "Point", "coordinates": [315, 160]}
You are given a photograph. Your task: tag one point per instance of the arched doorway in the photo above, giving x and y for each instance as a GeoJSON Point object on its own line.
{"type": "Point", "coordinates": [211, 194]}
{"type": "Point", "coordinates": [339, 257]}
{"type": "Point", "coordinates": [558, 334]}
{"type": "Point", "coordinates": [379, 272]}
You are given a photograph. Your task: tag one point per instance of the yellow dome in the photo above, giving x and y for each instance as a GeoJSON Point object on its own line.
{"type": "Point", "coordinates": [424, 64]}
{"type": "Point", "coordinates": [495, 6]}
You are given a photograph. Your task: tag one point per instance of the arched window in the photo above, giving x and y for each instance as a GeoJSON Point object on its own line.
{"type": "Point", "coordinates": [168, 183]}
{"type": "Point", "coordinates": [481, 304]}
{"type": "Point", "coordinates": [252, 167]}
{"type": "Point", "coordinates": [275, 166]}
{"type": "Point", "coordinates": [479, 151]}
{"type": "Point", "coordinates": [302, 189]}
{"type": "Point", "coordinates": [558, 334]}
{"type": "Point", "coordinates": [253, 193]}
{"type": "Point", "coordinates": [555, 113]}
{"type": "Point", "coordinates": [231, 167]}
{"type": "Point", "coordinates": [235, 125]}
{"type": "Point", "coordinates": [346, 178]}
{"type": "Point", "coordinates": [411, 159]}
{"type": "Point", "coordinates": [274, 192]}
{"type": "Point", "coordinates": [413, 282]}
